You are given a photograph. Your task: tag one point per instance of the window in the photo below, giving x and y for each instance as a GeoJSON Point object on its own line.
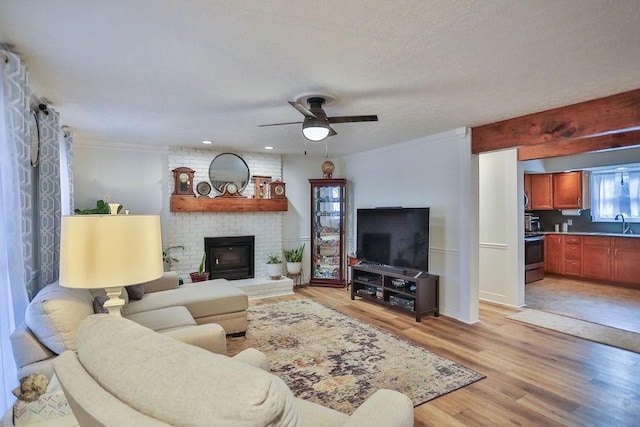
{"type": "Point", "coordinates": [615, 192]}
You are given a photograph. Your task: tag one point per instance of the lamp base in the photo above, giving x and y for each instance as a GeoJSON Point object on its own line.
{"type": "Point", "coordinates": [114, 303]}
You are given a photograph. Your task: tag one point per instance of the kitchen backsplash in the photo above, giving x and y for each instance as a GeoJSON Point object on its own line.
{"type": "Point", "coordinates": [580, 223]}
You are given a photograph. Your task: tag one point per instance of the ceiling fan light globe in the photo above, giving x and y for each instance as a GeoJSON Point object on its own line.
{"type": "Point", "coordinates": [315, 133]}
{"type": "Point", "coordinates": [314, 129]}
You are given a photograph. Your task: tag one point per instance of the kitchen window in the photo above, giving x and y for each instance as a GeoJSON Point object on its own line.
{"type": "Point", "coordinates": [615, 192]}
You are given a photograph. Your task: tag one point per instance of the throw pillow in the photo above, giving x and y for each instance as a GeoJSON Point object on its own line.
{"type": "Point", "coordinates": [98, 305]}
{"type": "Point", "coordinates": [55, 313]}
{"type": "Point", "coordinates": [136, 292]}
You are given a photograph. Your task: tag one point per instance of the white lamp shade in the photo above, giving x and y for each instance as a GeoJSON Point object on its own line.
{"type": "Point", "coordinates": [101, 251]}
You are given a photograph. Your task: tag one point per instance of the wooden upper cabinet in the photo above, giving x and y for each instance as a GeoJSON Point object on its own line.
{"type": "Point", "coordinates": [541, 191]}
{"type": "Point", "coordinates": [567, 190]}
{"type": "Point", "coordinates": [564, 190]}
{"type": "Point", "coordinates": [527, 191]}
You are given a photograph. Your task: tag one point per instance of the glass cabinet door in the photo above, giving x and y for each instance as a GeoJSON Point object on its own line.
{"type": "Point", "coordinates": [327, 232]}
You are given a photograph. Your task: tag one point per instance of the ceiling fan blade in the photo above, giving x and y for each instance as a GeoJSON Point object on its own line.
{"type": "Point", "coordinates": [331, 132]}
{"type": "Point", "coordinates": [278, 124]}
{"type": "Point", "coordinates": [350, 119]}
{"type": "Point", "coordinates": [304, 110]}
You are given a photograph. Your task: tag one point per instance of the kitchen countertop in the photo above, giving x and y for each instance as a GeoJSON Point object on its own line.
{"type": "Point", "coordinates": [580, 233]}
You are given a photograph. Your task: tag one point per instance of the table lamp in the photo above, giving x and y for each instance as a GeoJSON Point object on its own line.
{"type": "Point", "coordinates": [110, 252]}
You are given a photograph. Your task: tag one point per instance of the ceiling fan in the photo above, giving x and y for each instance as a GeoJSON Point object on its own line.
{"type": "Point", "coordinates": [316, 125]}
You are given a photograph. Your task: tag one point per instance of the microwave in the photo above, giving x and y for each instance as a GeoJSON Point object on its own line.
{"type": "Point", "coordinates": [531, 223]}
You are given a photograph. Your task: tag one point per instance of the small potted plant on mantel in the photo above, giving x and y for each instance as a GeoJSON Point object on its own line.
{"type": "Point", "coordinates": [200, 275]}
{"type": "Point", "coordinates": [274, 265]}
{"type": "Point", "coordinates": [294, 259]}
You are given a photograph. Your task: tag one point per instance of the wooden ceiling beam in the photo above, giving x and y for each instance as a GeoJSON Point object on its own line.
{"type": "Point", "coordinates": [603, 117]}
{"type": "Point", "coordinates": [577, 146]}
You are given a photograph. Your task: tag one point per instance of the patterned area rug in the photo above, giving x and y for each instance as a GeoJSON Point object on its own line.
{"type": "Point", "coordinates": [338, 361]}
{"type": "Point", "coordinates": [580, 328]}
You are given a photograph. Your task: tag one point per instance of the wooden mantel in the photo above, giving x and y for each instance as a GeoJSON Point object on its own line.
{"type": "Point", "coordinates": [227, 204]}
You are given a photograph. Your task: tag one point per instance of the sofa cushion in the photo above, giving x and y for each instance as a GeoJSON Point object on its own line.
{"type": "Point", "coordinates": [55, 314]}
{"type": "Point", "coordinates": [202, 299]}
{"type": "Point", "coordinates": [183, 382]}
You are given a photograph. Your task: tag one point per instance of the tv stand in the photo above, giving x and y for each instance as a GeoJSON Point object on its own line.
{"type": "Point", "coordinates": [401, 288]}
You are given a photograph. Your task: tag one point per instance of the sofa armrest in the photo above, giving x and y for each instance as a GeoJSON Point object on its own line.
{"type": "Point", "coordinates": [383, 408]}
{"type": "Point", "coordinates": [209, 336]}
{"type": "Point", "coordinates": [91, 404]}
{"type": "Point", "coordinates": [255, 358]}
{"type": "Point", "coordinates": [169, 280]}
{"type": "Point", "coordinates": [27, 349]}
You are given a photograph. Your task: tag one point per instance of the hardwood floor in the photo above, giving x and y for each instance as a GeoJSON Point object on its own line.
{"type": "Point", "coordinates": [534, 377]}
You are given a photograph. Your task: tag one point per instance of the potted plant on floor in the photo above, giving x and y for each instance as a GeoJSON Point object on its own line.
{"type": "Point", "coordinates": [200, 275]}
{"type": "Point", "coordinates": [274, 265]}
{"type": "Point", "coordinates": [294, 259]}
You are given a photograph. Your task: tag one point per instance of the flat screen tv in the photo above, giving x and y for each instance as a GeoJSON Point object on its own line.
{"type": "Point", "coordinates": [398, 237]}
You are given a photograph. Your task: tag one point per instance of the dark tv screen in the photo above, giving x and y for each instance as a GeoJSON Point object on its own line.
{"type": "Point", "coordinates": [394, 236]}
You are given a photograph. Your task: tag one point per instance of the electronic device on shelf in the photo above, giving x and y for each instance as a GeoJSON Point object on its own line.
{"type": "Point", "coordinates": [394, 239]}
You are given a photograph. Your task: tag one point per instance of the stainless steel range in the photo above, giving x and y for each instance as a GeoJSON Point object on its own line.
{"type": "Point", "coordinates": [533, 258]}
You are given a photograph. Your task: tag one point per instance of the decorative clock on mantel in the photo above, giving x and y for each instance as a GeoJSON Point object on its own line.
{"type": "Point", "coordinates": [183, 181]}
{"type": "Point", "coordinates": [277, 190]}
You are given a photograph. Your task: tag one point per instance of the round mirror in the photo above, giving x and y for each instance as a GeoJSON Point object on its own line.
{"type": "Point", "coordinates": [228, 168]}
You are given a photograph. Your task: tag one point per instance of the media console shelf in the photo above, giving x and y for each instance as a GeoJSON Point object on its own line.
{"type": "Point", "coordinates": [408, 290]}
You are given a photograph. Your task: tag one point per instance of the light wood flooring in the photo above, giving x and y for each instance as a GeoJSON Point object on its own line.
{"type": "Point", "coordinates": [534, 376]}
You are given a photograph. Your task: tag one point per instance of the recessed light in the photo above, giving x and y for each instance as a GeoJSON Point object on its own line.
{"type": "Point", "coordinates": [268, 147]}
{"type": "Point", "coordinates": [207, 142]}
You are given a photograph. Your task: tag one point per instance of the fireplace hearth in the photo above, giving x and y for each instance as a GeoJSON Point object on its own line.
{"type": "Point", "coordinates": [230, 258]}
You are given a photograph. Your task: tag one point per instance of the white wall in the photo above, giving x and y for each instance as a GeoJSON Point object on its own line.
{"type": "Point", "coordinates": [132, 176]}
{"type": "Point", "coordinates": [439, 172]}
{"type": "Point", "coordinates": [296, 228]}
{"type": "Point", "coordinates": [501, 211]}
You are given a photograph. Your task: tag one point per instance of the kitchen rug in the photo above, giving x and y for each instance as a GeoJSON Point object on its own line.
{"type": "Point", "coordinates": [580, 328]}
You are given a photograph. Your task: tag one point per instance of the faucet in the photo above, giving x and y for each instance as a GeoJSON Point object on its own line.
{"type": "Point", "coordinates": [626, 228]}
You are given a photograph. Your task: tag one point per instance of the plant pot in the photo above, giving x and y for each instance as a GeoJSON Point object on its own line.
{"type": "Point", "coordinates": [294, 267]}
{"type": "Point", "coordinates": [198, 277]}
{"type": "Point", "coordinates": [274, 271]}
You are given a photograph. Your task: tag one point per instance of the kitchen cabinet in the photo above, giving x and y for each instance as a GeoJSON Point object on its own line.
{"type": "Point", "coordinates": [554, 254]}
{"type": "Point", "coordinates": [572, 256]}
{"type": "Point", "coordinates": [612, 259]}
{"type": "Point", "coordinates": [527, 191]}
{"type": "Point", "coordinates": [626, 260]}
{"type": "Point", "coordinates": [567, 190]}
{"type": "Point", "coordinates": [327, 232]}
{"type": "Point", "coordinates": [563, 190]}
{"type": "Point", "coordinates": [596, 256]}
{"type": "Point", "coordinates": [541, 191]}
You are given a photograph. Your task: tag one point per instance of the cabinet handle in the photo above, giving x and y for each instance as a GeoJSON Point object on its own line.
{"type": "Point", "coordinates": [579, 203]}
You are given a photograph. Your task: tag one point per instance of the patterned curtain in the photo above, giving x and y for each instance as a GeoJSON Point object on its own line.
{"type": "Point", "coordinates": [15, 203]}
{"type": "Point", "coordinates": [49, 196]}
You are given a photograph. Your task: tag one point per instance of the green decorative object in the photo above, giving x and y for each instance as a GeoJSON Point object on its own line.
{"type": "Point", "coordinates": [102, 208]}
{"type": "Point", "coordinates": [294, 255]}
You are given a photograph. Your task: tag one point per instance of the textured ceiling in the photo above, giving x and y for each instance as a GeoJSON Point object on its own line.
{"type": "Point", "coordinates": [176, 72]}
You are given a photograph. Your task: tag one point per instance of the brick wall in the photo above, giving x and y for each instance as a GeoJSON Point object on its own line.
{"type": "Point", "coordinates": [189, 229]}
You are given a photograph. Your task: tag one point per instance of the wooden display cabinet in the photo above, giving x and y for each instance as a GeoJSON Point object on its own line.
{"type": "Point", "coordinates": [327, 232]}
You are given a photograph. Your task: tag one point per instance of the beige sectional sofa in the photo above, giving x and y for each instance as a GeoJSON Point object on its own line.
{"type": "Point", "coordinates": [196, 313]}
{"type": "Point", "coordinates": [109, 382]}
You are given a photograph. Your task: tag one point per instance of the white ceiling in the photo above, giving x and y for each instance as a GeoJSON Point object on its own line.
{"type": "Point", "coordinates": [175, 72]}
